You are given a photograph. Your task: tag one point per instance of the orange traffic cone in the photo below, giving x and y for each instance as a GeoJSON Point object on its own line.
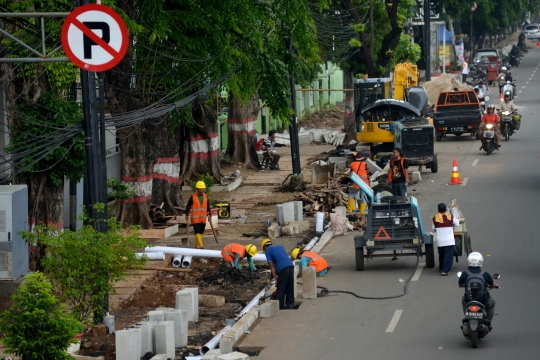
{"type": "Point", "coordinates": [501, 98]}
{"type": "Point", "coordinates": [455, 180]}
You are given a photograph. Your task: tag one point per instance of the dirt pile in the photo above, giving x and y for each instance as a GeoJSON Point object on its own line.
{"type": "Point", "coordinates": [226, 277]}
{"type": "Point", "coordinates": [444, 82]}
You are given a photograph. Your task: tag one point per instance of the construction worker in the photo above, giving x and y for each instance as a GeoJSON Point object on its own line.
{"type": "Point", "coordinates": [359, 166]}
{"type": "Point", "coordinates": [308, 258]}
{"type": "Point", "coordinates": [234, 253]}
{"type": "Point", "coordinates": [397, 175]}
{"type": "Point", "coordinates": [282, 270]}
{"type": "Point", "coordinates": [198, 209]}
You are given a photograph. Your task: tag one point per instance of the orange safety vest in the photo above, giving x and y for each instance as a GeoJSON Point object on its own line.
{"type": "Point", "coordinates": [198, 211]}
{"type": "Point", "coordinates": [359, 167]}
{"type": "Point", "coordinates": [315, 260]}
{"type": "Point", "coordinates": [391, 171]}
{"type": "Point", "coordinates": [229, 251]}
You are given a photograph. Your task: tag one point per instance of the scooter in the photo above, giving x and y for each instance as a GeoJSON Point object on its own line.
{"type": "Point", "coordinates": [488, 140]}
{"type": "Point", "coordinates": [474, 326]}
{"type": "Point", "coordinates": [507, 125]}
{"type": "Point", "coordinates": [509, 86]}
{"type": "Point", "coordinates": [515, 60]}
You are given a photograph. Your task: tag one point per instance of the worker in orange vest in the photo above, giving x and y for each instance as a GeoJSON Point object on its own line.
{"type": "Point", "coordinates": [359, 166]}
{"type": "Point", "coordinates": [397, 174]}
{"type": "Point", "coordinates": [198, 209]}
{"type": "Point", "coordinates": [308, 258]}
{"type": "Point", "coordinates": [234, 253]}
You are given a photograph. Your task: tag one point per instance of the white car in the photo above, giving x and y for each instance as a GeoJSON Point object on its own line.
{"type": "Point", "coordinates": [532, 32]}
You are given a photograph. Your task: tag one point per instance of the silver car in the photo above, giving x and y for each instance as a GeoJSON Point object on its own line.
{"type": "Point", "coordinates": [532, 32]}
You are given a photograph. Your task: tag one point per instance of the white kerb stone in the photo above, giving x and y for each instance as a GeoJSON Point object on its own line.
{"type": "Point", "coordinates": [156, 316]}
{"type": "Point", "coordinates": [233, 356]}
{"type": "Point", "coordinates": [309, 282]}
{"type": "Point", "coordinates": [269, 309]}
{"type": "Point", "coordinates": [164, 338]}
{"type": "Point", "coordinates": [211, 354]}
{"type": "Point", "coordinates": [188, 300]}
{"type": "Point", "coordinates": [128, 344]}
{"type": "Point", "coordinates": [179, 318]}
{"type": "Point", "coordinates": [147, 337]}
{"type": "Point", "coordinates": [159, 357]}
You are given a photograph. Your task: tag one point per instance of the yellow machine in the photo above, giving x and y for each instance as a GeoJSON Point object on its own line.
{"type": "Point", "coordinates": [405, 76]}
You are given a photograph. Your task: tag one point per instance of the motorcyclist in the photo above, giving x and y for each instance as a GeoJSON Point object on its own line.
{"type": "Point", "coordinates": [490, 118]}
{"type": "Point", "coordinates": [503, 78]}
{"type": "Point", "coordinates": [475, 260]}
{"type": "Point", "coordinates": [508, 105]}
{"type": "Point", "coordinates": [514, 51]}
{"type": "Point", "coordinates": [482, 89]}
{"type": "Point", "coordinates": [521, 39]}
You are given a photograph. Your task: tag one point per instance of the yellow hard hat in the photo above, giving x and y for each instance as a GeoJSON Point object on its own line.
{"type": "Point", "coordinates": [200, 185]}
{"type": "Point", "coordinates": [294, 253]}
{"type": "Point", "coordinates": [251, 249]}
{"type": "Point", "coordinates": [265, 242]}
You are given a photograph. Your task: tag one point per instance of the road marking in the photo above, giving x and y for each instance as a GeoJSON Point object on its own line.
{"type": "Point", "coordinates": [394, 321]}
{"type": "Point", "coordinates": [475, 162]}
{"type": "Point", "coordinates": [465, 181]}
{"type": "Point", "coordinates": [523, 87]}
{"type": "Point", "coordinates": [526, 82]}
{"type": "Point", "coordinates": [418, 272]}
{"type": "Point", "coordinates": [519, 92]}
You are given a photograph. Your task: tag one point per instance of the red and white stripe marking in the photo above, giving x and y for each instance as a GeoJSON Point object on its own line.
{"type": "Point", "coordinates": [167, 169]}
{"type": "Point", "coordinates": [142, 186]}
{"type": "Point", "coordinates": [203, 146]}
{"type": "Point", "coordinates": [248, 126]}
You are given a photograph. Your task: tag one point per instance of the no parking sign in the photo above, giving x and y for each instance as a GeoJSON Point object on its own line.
{"type": "Point", "coordinates": [94, 37]}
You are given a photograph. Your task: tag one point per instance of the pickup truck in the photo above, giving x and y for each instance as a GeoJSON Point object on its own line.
{"type": "Point", "coordinates": [457, 112]}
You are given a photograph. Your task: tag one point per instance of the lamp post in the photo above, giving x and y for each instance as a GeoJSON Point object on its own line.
{"type": "Point", "coordinates": [427, 41]}
{"type": "Point", "coordinates": [473, 9]}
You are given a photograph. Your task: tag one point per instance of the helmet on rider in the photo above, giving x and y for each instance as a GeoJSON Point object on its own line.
{"type": "Point", "coordinates": [504, 68]}
{"type": "Point", "coordinates": [507, 94]}
{"type": "Point", "coordinates": [491, 107]}
{"type": "Point", "coordinates": [475, 259]}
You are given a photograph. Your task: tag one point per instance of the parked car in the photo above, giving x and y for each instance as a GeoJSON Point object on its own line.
{"type": "Point", "coordinates": [532, 32]}
{"type": "Point", "coordinates": [484, 53]}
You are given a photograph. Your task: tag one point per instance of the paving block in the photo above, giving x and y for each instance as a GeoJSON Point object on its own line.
{"type": "Point", "coordinates": [188, 300]}
{"type": "Point", "coordinates": [226, 343]}
{"type": "Point", "coordinates": [309, 282]}
{"type": "Point", "coordinates": [274, 230]}
{"type": "Point", "coordinates": [159, 357]}
{"type": "Point", "coordinates": [233, 356]}
{"type": "Point", "coordinates": [179, 318]}
{"type": "Point", "coordinates": [270, 309]}
{"type": "Point", "coordinates": [164, 339]}
{"type": "Point", "coordinates": [147, 337]}
{"type": "Point", "coordinates": [156, 316]}
{"type": "Point", "coordinates": [211, 354]}
{"type": "Point", "coordinates": [211, 301]}
{"type": "Point", "coordinates": [298, 210]}
{"type": "Point", "coordinates": [128, 345]}
{"type": "Point", "coordinates": [416, 176]}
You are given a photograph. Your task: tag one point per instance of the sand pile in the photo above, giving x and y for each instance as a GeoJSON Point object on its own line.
{"type": "Point", "coordinates": [444, 82]}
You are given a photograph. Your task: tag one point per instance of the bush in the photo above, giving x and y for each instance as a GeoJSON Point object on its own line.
{"type": "Point", "coordinates": [37, 326]}
{"type": "Point", "coordinates": [84, 264]}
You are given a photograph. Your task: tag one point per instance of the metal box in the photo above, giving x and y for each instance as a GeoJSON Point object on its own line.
{"type": "Point", "coordinates": [13, 218]}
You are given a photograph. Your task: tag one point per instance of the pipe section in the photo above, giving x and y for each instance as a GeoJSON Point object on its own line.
{"type": "Point", "coordinates": [186, 262]}
{"type": "Point", "coordinates": [311, 244]}
{"type": "Point", "coordinates": [177, 261]}
{"type": "Point", "coordinates": [169, 250]}
{"type": "Point", "coordinates": [159, 255]}
{"type": "Point", "coordinates": [215, 340]}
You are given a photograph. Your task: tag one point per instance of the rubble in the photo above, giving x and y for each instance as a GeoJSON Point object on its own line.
{"type": "Point", "coordinates": [444, 82]}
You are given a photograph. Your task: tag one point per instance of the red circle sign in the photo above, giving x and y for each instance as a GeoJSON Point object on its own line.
{"type": "Point", "coordinates": [94, 37]}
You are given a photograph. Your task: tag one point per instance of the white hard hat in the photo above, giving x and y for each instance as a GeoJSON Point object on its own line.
{"type": "Point", "coordinates": [475, 259]}
{"type": "Point", "coordinates": [504, 68]}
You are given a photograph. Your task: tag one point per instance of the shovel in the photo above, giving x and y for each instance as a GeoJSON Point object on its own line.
{"type": "Point", "coordinates": [213, 231]}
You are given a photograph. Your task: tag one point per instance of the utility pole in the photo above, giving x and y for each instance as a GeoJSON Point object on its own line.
{"type": "Point", "coordinates": [427, 41]}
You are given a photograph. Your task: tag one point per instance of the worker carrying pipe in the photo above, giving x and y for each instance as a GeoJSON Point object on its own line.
{"type": "Point", "coordinates": [234, 253]}
{"type": "Point", "coordinates": [308, 258]}
{"type": "Point", "coordinates": [198, 209]}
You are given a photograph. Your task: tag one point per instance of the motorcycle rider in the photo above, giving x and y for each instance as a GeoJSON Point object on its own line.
{"type": "Point", "coordinates": [475, 260]}
{"type": "Point", "coordinates": [490, 118]}
{"type": "Point", "coordinates": [508, 105]}
{"type": "Point", "coordinates": [482, 89]}
{"type": "Point", "coordinates": [503, 78]}
{"type": "Point", "coordinates": [521, 39]}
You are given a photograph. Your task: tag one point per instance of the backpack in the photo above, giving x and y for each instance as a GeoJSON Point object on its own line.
{"type": "Point", "coordinates": [475, 286]}
{"type": "Point", "coordinates": [259, 144]}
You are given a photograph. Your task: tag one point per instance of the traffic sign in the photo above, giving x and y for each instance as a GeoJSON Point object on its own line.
{"type": "Point", "coordinates": [94, 37]}
{"type": "Point", "coordinates": [474, 6]}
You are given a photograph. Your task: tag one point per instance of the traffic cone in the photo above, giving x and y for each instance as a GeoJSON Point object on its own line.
{"type": "Point", "coordinates": [501, 98]}
{"type": "Point", "coordinates": [455, 180]}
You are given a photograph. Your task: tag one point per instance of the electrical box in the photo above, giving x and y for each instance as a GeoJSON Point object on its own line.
{"type": "Point", "coordinates": [13, 218]}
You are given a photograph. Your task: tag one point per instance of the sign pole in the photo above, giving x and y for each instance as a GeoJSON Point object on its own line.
{"type": "Point", "coordinates": [427, 40]}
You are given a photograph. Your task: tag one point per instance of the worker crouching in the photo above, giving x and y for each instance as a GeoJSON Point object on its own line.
{"type": "Point", "coordinates": [308, 258]}
{"type": "Point", "coordinates": [234, 253]}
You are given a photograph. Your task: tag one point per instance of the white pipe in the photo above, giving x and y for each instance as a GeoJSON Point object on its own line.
{"type": "Point", "coordinates": [215, 340]}
{"type": "Point", "coordinates": [195, 252]}
{"type": "Point", "coordinates": [311, 244]}
{"type": "Point", "coordinates": [159, 255]}
{"type": "Point", "coordinates": [177, 261]}
{"type": "Point", "coordinates": [186, 263]}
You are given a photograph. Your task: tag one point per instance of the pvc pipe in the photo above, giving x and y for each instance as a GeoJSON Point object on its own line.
{"type": "Point", "coordinates": [159, 255]}
{"type": "Point", "coordinates": [311, 244]}
{"type": "Point", "coordinates": [186, 262]}
{"type": "Point", "coordinates": [319, 227]}
{"type": "Point", "coordinates": [215, 340]}
{"type": "Point", "coordinates": [177, 261]}
{"type": "Point", "coordinates": [169, 250]}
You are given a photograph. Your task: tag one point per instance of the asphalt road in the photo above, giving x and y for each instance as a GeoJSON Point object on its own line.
{"type": "Point", "coordinates": [500, 201]}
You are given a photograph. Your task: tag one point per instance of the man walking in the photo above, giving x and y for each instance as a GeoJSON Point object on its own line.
{"type": "Point", "coordinates": [443, 223]}
{"type": "Point", "coordinates": [397, 175]}
{"type": "Point", "coordinates": [267, 150]}
{"type": "Point", "coordinates": [282, 270]}
{"type": "Point", "coordinates": [198, 209]}
{"type": "Point", "coordinates": [359, 167]}
{"type": "Point", "coordinates": [464, 70]}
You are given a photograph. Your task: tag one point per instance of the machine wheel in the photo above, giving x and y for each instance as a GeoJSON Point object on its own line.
{"type": "Point", "coordinates": [474, 338]}
{"type": "Point", "coordinates": [434, 164]}
{"type": "Point", "coordinates": [468, 245]}
{"type": "Point", "coordinates": [359, 252]}
{"type": "Point", "coordinates": [430, 256]}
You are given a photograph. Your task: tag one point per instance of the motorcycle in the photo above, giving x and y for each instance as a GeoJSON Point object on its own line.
{"type": "Point", "coordinates": [507, 124]}
{"type": "Point", "coordinates": [488, 140]}
{"type": "Point", "coordinates": [510, 86]}
{"type": "Point", "coordinates": [474, 326]}
{"type": "Point", "coordinates": [515, 60]}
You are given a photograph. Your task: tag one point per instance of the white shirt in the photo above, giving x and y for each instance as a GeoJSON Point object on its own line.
{"type": "Point", "coordinates": [445, 235]}
{"type": "Point", "coordinates": [481, 91]}
{"type": "Point", "coordinates": [465, 68]}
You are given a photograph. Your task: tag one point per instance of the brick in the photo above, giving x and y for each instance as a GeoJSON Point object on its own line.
{"type": "Point", "coordinates": [211, 301]}
{"type": "Point", "coordinates": [269, 309]}
{"type": "Point", "coordinates": [226, 344]}
{"type": "Point", "coordinates": [233, 356]}
{"type": "Point", "coordinates": [164, 339]}
{"type": "Point", "coordinates": [309, 282]}
{"type": "Point", "coordinates": [285, 213]}
{"type": "Point", "coordinates": [295, 227]}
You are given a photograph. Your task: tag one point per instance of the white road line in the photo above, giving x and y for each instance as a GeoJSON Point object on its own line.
{"type": "Point", "coordinates": [526, 82]}
{"type": "Point", "coordinates": [394, 321]}
{"type": "Point", "coordinates": [475, 162]}
{"type": "Point", "coordinates": [523, 87]}
{"type": "Point", "coordinates": [465, 181]}
{"type": "Point", "coordinates": [519, 92]}
{"type": "Point", "coordinates": [418, 272]}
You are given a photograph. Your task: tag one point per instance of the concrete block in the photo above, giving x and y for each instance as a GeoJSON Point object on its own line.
{"type": "Point", "coordinates": [256, 310]}
{"type": "Point", "coordinates": [274, 230]}
{"type": "Point", "coordinates": [233, 356]}
{"type": "Point", "coordinates": [226, 344]}
{"type": "Point", "coordinates": [211, 301]}
{"type": "Point", "coordinates": [156, 316]}
{"type": "Point", "coordinates": [179, 318]}
{"type": "Point", "coordinates": [128, 344]}
{"type": "Point", "coordinates": [159, 357]}
{"type": "Point", "coordinates": [372, 166]}
{"type": "Point", "coordinates": [416, 176]}
{"type": "Point", "coordinates": [285, 213]}
{"type": "Point", "coordinates": [188, 300]}
{"type": "Point", "coordinates": [309, 282]}
{"type": "Point", "coordinates": [211, 354]}
{"type": "Point", "coordinates": [298, 210]}
{"type": "Point", "coordinates": [164, 339]}
{"type": "Point", "coordinates": [342, 211]}
{"type": "Point", "coordinates": [270, 309]}
{"type": "Point", "coordinates": [317, 134]}
{"type": "Point", "coordinates": [303, 139]}
{"type": "Point", "coordinates": [147, 337]}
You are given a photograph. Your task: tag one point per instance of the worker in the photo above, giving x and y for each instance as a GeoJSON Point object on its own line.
{"type": "Point", "coordinates": [308, 258]}
{"type": "Point", "coordinates": [443, 223]}
{"type": "Point", "coordinates": [282, 270]}
{"type": "Point", "coordinates": [267, 150]}
{"type": "Point", "coordinates": [397, 174]}
{"type": "Point", "coordinates": [234, 253]}
{"type": "Point", "coordinates": [359, 167]}
{"type": "Point", "coordinates": [198, 209]}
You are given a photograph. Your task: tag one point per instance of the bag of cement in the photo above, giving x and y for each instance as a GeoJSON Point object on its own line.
{"type": "Point", "coordinates": [338, 224]}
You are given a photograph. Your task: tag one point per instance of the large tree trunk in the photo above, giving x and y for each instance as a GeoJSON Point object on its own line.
{"type": "Point", "coordinates": [349, 120]}
{"type": "Point", "coordinates": [241, 124]}
{"type": "Point", "coordinates": [202, 147]}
